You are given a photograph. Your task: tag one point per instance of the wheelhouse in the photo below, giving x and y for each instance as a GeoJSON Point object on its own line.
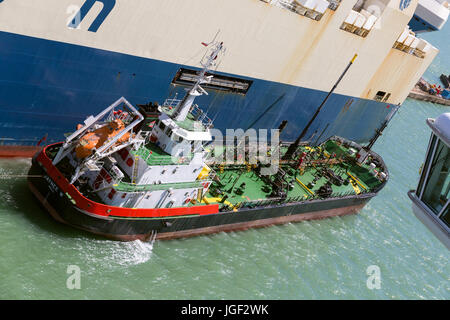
{"type": "Point", "coordinates": [431, 199]}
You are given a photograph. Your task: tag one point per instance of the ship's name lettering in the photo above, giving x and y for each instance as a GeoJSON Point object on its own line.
{"type": "Point", "coordinates": [51, 184]}
{"type": "Point", "coordinates": [108, 6]}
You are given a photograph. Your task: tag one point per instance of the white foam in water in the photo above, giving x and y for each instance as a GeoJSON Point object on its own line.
{"type": "Point", "coordinates": [135, 252]}
{"type": "Point", "coordinates": [115, 253]}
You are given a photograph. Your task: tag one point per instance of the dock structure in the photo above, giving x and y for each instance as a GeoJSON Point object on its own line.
{"type": "Point", "coordinates": [418, 94]}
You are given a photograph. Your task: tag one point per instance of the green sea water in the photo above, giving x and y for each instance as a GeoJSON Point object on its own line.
{"type": "Point", "coordinates": [326, 259]}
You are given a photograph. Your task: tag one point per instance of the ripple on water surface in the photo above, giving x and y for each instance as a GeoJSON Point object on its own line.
{"type": "Point", "coordinates": [325, 259]}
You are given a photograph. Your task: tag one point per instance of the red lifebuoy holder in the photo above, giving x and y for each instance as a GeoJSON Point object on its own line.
{"type": "Point", "coordinates": [130, 162]}
{"type": "Point", "coordinates": [111, 194]}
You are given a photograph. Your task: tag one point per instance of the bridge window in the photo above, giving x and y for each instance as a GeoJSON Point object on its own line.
{"type": "Point", "coordinates": [177, 138]}
{"type": "Point", "coordinates": [426, 165]}
{"type": "Point", "coordinates": [436, 191]}
{"type": "Point", "coordinates": [445, 216]}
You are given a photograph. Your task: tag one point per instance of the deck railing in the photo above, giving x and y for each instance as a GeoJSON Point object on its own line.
{"type": "Point", "coordinates": [129, 187]}
{"type": "Point", "coordinates": [290, 200]}
{"type": "Point", "coordinates": [409, 43]}
{"type": "Point", "coordinates": [195, 112]}
{"type": "Point", "coordinates": [313, 9]}
{"type": "Point", "coordinates": [155, 160]}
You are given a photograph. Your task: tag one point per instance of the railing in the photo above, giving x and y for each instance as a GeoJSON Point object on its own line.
{"type": "Point", "coordinates": [201, 116]}
{"type": "Point", "coordinates": [104, 184]}
{"type": "Point", "coordinates": [409, 43]}
{"type": "Point", "coordinates": [195, 112]}
{"type": "Point", "coordinates": [359, 23]}
{"type": "Point", "coordinates": [128, 187]}
{"type": "Point", "coordinates": [290, 200]}
{"type": "Point", "coordinates": [171, 102]}
{"type": "Point", "coordinates": [155, 160]}
{"type": "Point", "coordinates": [313, 9]}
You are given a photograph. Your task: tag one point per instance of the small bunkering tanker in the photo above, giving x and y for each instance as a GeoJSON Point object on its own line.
{"type": "Point", "coordinates": [152, 173]}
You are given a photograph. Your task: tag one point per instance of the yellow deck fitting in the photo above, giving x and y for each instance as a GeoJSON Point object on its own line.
{"type": "Point", "coordinates": [305, 187]}
{"type": "Point", "coordinates": [217, 200]}
{"type": "Point", "coordinates": [357, 181]}
{"type": "Point", "coordinates": [355, 186]}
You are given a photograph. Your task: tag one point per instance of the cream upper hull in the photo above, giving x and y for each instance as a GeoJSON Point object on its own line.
{"type": "Point", "coordinates": [262, 41]}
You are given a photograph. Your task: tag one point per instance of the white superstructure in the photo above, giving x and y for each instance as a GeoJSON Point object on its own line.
{"type": "Point", "coordinates": [432, 14]}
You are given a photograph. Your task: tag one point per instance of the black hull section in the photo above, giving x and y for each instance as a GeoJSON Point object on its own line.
{"type": "Point", "coordinates": [64, 210]}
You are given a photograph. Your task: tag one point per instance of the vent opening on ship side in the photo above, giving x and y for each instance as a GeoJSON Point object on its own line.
{"type": "Point", "coordinates": [379, 96]}
{"type": "Point", "coordinates": [187, 77]}
{"type": "Point", "coordinates": [363, 16]}
{"type": "Point", "coordinates": [313, 9]}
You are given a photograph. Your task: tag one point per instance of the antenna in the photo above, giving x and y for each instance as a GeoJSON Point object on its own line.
{"type": "Point", "coordinates": [185, 105]}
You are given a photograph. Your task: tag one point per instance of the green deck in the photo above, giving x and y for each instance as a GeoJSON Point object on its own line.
{"type": "Point", "coordinates": [253, 191]}
{"type": "Point", "coordinates": [242, 185]}
{"type": "Point", "coordinates": [129, 187]}
{"type": "Point", "coordinates": [232, 177]}
{"type": "Point", "coordinates": [155, 156]}
{"type": "Point", "coordinates": [189, 123]}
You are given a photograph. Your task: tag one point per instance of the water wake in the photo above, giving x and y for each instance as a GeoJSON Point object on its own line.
{"type": "Point", "coordinates": [113, 254]}
{"type": "Point", "coordinates": [135, 252]}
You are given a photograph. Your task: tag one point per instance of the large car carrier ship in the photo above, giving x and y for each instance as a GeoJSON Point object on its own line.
{"type": "Point", "coordinates": [62, 59]}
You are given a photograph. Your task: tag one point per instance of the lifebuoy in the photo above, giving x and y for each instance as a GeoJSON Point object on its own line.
{"type": "Point", "coordinates": [130, 162]}
{"type": "Point", "coordinates": [112, 193]}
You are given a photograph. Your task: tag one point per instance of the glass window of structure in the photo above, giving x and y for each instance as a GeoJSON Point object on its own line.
{"type": "Point", "coordinates": [437, 189]}
{"type": "Point", "coordinates": [445, 216]}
